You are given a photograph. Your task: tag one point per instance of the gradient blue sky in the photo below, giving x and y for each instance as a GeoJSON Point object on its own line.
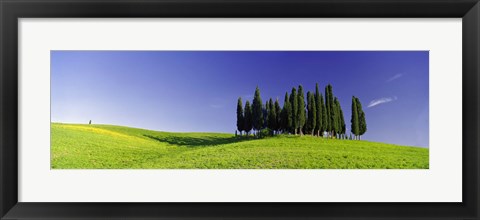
{"type": "Point", "coordinates": [198, 90]}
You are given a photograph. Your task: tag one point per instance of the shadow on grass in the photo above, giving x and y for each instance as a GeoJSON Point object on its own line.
{"type": "Point", "coordinates": [199, 142]}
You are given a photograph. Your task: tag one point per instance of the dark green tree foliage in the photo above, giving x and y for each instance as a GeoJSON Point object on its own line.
{"type": "Point", "coordinates": [272, 116]}
{"type": "Point", "coordinates": [278, 112]}
{"type": "Point", "coordinates": [265, 114]}
{"type": "Point", "coordinates": [240, 116]}
{"type": "Point", "coordinates": [257, 111]}
{"type": "Point", "coordinates": [307, 127]}
{"type": "Point", "coordinates": [328, 124]}
{"type": "Point", "coordinates": [286, 118]}
{"type": "Point", "coordinates": [316, 116]}
{"type": "Point", "coordinates": [344, 128]}
{"type": "Point", "coordinates": [248, 118]}
{"type": "Point", "coordinates": [331, 110]}
{"type": "Point", "coordinates": [318, 108]}
{"type": "Point", "coordinates": [294, 104]}
{"type": "Point", "coordinates": [341, 120]}
{"type": "Point", "coordinates": [355, 119]}
{"type": "Point", "coordinates": [312, 113]}
{"type": "Point", "coordinates": [301, 112]}
{"type": "Point", "coordinates": [324, 116]}
{"type": "Point", "coordinates": [336, 117]}
{"type": "Point", "coordinates": [362, 123]}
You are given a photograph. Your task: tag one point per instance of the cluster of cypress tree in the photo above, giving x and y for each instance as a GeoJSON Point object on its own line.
{"type": "Point", "coordinates": [317, 117]}
{"type": "Point", "coordinates": [358, 122]}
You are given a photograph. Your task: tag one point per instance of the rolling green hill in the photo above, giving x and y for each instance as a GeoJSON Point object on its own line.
{"type": "Point", "coordinates": [79, 146]}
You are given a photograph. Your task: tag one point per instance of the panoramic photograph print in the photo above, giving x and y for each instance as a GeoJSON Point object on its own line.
{"type": "Point", "coordinates": [239, 109]}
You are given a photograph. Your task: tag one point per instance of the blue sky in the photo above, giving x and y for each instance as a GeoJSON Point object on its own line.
{"type": "Point", "coordinates": [197, 91]}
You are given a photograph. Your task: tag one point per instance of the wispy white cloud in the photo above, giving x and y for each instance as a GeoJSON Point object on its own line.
{"type": "Point", "coordinates": [395, 77]}
{"type": "Point", "coordinates": [376, 102]}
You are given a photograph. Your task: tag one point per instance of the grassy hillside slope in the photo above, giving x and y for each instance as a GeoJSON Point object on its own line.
{"type": "Point", "coordinates": [76, 146]}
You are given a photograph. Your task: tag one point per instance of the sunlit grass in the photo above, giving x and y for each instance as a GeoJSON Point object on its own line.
{"type": "Point", "coordinates": [115, 147]}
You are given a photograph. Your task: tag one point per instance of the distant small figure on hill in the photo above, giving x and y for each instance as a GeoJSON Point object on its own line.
{"type": "Point", "coordinates": [90, 122]}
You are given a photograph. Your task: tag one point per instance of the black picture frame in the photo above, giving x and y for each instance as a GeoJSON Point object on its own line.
{"type": "Point", "coordinates": [12, 10]}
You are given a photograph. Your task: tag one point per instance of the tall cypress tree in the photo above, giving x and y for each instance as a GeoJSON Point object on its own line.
{"type": "Point", "coordinates": [265, 114]}
{"type": "Point", "coordinates": [362, 123]}
{"type": "Point", "coordinates": [301, 112]}
{"type": "Point", "coordinates": [272, 116]}
{"type": "Point", "coordinates": [324, 116]}
{"type": "Point", "coordinates": [328, 103]}
{"type": "Point", "coordinates": [240, 116]}
{"type": "Point", "coordinates": [248, 118]}
{"type": "Point", "coordinates": [257, 111]}
{"type": "Point", "coordinates": [336, 117]}
{"type": "Point", "coordinates": [344, 128]}
{"type": "Point", "coordinates": [307, 125]}
{"type": "Point", "coordinates": [312, 113]}
{"type": "Point", "coordinates": [342, 121]}
{"type": "Point", "coordinates": [355, 123]}
{"type": "Point", "coordinates": [319, 113]}
{"type": "Point", "coordinates": [286, 114]}
{"type": "Point", "coordinates": [331, 112]}
{"type": "Point", "coordinates": [278, 112]}
{"type": "Point", "coordinates": [283, 115]}
{"type": "Point", "coordinates": [294, 104]}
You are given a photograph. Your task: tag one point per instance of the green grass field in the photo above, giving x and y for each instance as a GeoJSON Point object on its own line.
{"type": "Point", "coordinates": [76, 146]}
